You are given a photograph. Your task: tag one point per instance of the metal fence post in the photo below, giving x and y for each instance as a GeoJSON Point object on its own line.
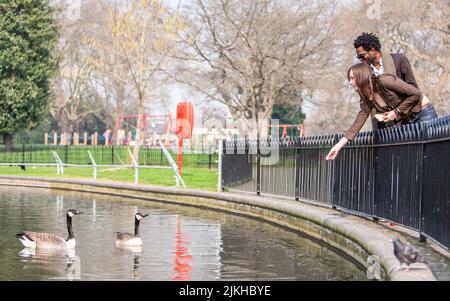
{"type": "Point", "coordinates": [136, 169]}
{"type": "Point", "coordinates": [209, 157]}
{"type": "Point", "coordinates": [258, 166]}
{"type": "Point", "coordinates": [94, 165]}
{"type": "Point", "coordinates": [23, 153]}
{"type": "Point", "coordinates": [374, 166]}
{"type": "Point", "coordinates": [66, 153]}
{"type": "Point", "coordinates": [335, 189]}
{"type": "Point", "coordinates": [297, 172]}
{"type": "Point", "coordinates": [59, 164]}
{"type": "Point", "coordinates": [423, 158]}
{"type": "Point", "coordinates": [173, 165]}
{"type": "Point", "coordinates": [219, 168]}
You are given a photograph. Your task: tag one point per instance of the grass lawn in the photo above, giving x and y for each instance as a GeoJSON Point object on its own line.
{"type": "Point", "coordinates": [196, 178]}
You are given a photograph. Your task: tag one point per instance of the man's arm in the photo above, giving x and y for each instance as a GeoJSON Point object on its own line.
{"type": "Point", "coordinates": [406, 71]}
{"type": "Point", "coordinates": [410, 94]}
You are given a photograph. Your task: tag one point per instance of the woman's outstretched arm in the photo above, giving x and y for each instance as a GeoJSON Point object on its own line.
{"type": "Point", "coordinates": [353, 130]}
{"type": "Point", "coordinates": [336, 148]}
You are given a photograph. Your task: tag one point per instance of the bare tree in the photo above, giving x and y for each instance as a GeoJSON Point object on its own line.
{"type": "Point", "coordinates": [109, 71]}
{"type": "Point", "coordinates": [249, 54]}
{"type": "Point", "coordinates": [140, 39]}
{"type": "Point", "coordinates": [72, 92]}
{"type": "Point", "coordinates": [425, 37]}
{"type": "Point", "coordinates": [420, 29]}
{"type": "Point", "coordinates": [69, 87]}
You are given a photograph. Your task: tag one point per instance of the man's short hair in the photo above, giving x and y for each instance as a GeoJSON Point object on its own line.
{"type": "Point", "coordinates": [367, 41]}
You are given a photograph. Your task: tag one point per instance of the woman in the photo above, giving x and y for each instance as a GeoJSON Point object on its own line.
{"type": "Point", "coordinates": [393, 99]}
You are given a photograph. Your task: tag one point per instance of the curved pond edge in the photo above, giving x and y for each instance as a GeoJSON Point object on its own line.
{"type": "Point", "coordinates": [362, 240]}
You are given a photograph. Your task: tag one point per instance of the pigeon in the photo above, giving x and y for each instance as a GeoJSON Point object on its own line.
{"type": "Point", "coordinates": [406, 254]}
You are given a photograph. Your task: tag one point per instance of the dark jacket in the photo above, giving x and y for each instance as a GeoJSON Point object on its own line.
{"type": "Point", "coordinates": [402, 67]}
{"type": "Point", "coordinates": [396, 64]}
{"type": "Point", "coordinates": [396, 93]}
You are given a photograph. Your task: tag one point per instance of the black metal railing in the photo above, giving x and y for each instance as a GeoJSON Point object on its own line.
{"type": "Point", "coordinates": [353, 175]}
{"type": "Point", "coordinates": [399, 174]}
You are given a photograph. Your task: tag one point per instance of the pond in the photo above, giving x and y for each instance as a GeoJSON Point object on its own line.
{"type": "Point", "coordinates": [179, 242]}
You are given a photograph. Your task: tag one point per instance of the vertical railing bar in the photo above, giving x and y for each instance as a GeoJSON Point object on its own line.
{"type": "Point", "coordinates": [135, 164]}
{"type": "Point", "coordinates": [423, 158]}
{"type": "Point", "coordinates": [94, 165]}
{"type": "Point", "coordinates": [219, 169]}
{"type": "Point", "coordinates": [258, 166]}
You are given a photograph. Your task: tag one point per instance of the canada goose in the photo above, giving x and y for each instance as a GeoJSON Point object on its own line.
{"type": "Point", "coordinates": [48, 240]}
{"type": "Point", "coordinates": [128, 239]}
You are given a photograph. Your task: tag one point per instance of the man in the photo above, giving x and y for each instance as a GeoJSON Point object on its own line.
{"type": "Point", "coordinates": [368, 49]}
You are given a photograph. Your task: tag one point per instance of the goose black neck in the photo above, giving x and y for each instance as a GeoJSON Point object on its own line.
{"type": "Point", "coordinates": [136, 227]}
{"type": "Point", "coordinates": [69, 227]}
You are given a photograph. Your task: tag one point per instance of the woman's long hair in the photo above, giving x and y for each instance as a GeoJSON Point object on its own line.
{"type": "Point", "coordinates": [363, 78]}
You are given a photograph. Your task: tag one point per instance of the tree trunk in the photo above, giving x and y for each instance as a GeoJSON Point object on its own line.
{"type": "Point", "coordinates": [137, 139]}
{"type": "Point", "coordinates": [8, 141]}
{"type": "Point", "coordinates": [140, 122]}
{"type": "Point", "coordinates": [63, 121]}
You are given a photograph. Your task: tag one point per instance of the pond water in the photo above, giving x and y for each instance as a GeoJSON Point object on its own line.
{"type": "Point", "coordinates": [180, 243]}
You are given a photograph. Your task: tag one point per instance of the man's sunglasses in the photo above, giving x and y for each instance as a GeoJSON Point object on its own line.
{"type": "Point", "coordinates": [362, 56]}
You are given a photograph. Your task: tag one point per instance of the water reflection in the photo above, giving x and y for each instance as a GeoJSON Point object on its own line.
{"type": "Point", "coordinates": [136, 266]}
{"type": "Point", "coordinates": [52, 258]}
{"type": "Point", "coordinates": [182, 258]}
{"type": "Point", "coordinates": [136, 251]}
{"type": "Point", "coordinates": [59, 203]}
{"type": "Point", "coordinates": [180, 243]}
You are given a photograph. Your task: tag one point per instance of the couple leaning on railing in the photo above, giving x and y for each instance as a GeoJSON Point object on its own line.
{"type": "Point", "coordinates": [387, 88]}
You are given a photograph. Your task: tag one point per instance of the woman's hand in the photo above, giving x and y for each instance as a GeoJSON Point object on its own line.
{"type": "Point", "coordinates": [335, 150]}
{"type": "Point", "coordinates": [389, 116]}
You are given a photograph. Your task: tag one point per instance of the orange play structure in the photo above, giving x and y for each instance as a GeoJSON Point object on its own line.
{"type": "Point", "coordinates": [299, 127]}
{"type": "Point", "coordinates": [184, 128]}
{"type": "Point", "coordinates": [119, 134]}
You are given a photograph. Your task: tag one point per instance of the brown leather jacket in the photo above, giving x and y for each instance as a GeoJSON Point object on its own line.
{"type": "Point", "coordinates": [397, 94]}
{"type": "Point", "coordinates": [400, 66]}
{"type": "Point", "coordinates": [396, 64]}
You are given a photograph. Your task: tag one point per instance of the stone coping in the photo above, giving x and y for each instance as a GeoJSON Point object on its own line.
{"type": "Point", "coordinates": [361, 239]}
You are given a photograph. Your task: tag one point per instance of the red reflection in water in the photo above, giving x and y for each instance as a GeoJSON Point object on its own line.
{"type": "Point", "coordinates": [182, 266]}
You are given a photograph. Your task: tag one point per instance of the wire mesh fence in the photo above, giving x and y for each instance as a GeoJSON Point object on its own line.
{"type": "Point", "coordinates": [205, 157]}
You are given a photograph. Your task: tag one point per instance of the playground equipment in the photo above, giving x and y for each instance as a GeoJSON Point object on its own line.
{"type": "Point", "coordinates": [146, 124]}
{"type": "Point", "coordinates": [299, 127]}
{"type": "Point", "coordinates": [184, 128]}
{"type": "Point", "coordinates": [72, 138]}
